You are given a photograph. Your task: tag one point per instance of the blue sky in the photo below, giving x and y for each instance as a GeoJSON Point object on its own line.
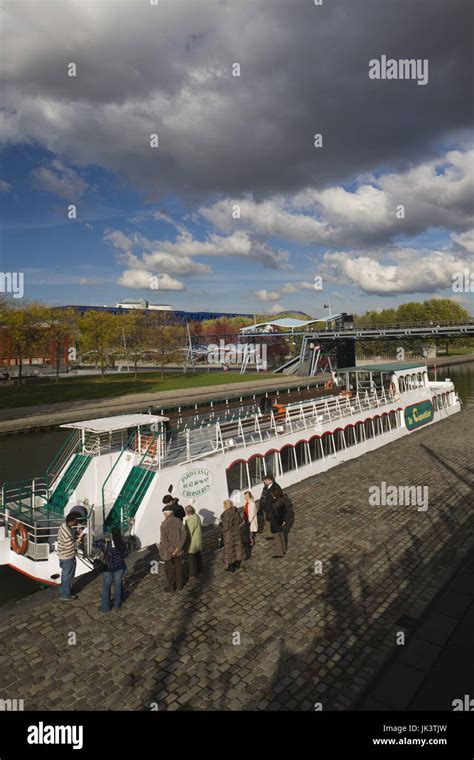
{"type": "Point", "coordinates": [167, 216]}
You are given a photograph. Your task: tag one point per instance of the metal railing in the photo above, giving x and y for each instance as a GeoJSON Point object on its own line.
{"type": "Point", "coordinates": [25, 495]}
{"type": "Point", "coordinates": [43, 532]}
{"type": "Point", "coordinates": [72, 445]}
{"type": "Point", "coordinates": [303, 415]}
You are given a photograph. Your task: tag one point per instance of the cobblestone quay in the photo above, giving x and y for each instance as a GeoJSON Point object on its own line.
{"type": "Point", "coordinates": [279, 634]}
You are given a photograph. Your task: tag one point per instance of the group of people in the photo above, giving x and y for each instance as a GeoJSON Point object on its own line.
{"type": "Point", "coordinates": [180, 536]}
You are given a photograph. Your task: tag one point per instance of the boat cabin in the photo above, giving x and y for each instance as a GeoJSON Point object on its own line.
{"type": "Point", "coordinates": [397, 376]}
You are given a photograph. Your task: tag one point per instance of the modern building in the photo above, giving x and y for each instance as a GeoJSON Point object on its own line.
{"type": "Point", "coordinates": [129, 303]}
{"type": "Point", "coordinates": [178, 316]}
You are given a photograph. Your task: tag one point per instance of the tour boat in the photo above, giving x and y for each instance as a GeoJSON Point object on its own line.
{"type": "Point", "coordinates": [118, 469]}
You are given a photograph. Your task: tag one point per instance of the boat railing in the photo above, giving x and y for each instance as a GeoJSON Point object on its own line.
{"type": "Point", "coordinates": [72, 445]}
{"type": "Point", "coordinates": [304, 415]}
{"type": "Point", "coordinates": [43, 532]}
{"type": "Point", "coordinates": [110, 489]}
{"type": "Point", "coordinates": [24, 496]}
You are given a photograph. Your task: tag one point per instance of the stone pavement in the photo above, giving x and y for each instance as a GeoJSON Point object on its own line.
{"type": "Point", "coordinates": [276, 635]}
{"type": "Point", "coordinates": [436, 667]}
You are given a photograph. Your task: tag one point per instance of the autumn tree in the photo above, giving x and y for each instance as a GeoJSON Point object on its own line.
{"type": "Point", "coordinates": [133, 328]}
{"type": "Point", "coordinates": [165, 339]}
{"type": "Point", "coordinates": [100, 337]}
{"type": "Point", "coordinates": [25, 324]}
{"type": "Point", "coordinates": [60, 331]}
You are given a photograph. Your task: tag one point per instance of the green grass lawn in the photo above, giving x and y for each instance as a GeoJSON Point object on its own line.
{"type": "Point", "coordinates": [91, 388]}
{"type": "Point", "coordinates": [456, 352]}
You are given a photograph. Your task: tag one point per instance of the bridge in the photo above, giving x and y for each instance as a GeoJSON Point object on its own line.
{"type": "Point", "coordinates": [385, 332]}
{"type": "Point", "coordinates": [339, 343]}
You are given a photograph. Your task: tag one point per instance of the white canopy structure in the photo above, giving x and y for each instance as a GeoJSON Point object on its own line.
{"type": "Point", "coordinates": [286, 323]}
{"type": "Point", "coordinates": [120, 422]}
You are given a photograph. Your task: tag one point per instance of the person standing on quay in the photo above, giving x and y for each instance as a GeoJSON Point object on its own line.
{"type": "Point", "coordinates": [250, 517]}
{"type": "Point", "coordinates": [172, 540]}
{"type": "Point", "coordinates": [68, 544]}
{"type": "Point", "coordinates": [193, 528]}
{"type": "Point", "coordinates": [230, 526]}
{"type": "Point", "coordinates": [115, 551]}
{"type": "Point", "coordinates": [266, 499]}
{"type": "Point", "coordinates": [174, 504]}
{"type": "Point", "coordinates": [277, 523]}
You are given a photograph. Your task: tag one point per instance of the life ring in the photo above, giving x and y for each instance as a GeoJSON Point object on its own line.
{"type": "Point", "coordinates": [328, 384]}
{"type": "Point", "coordinates": [22, 530]}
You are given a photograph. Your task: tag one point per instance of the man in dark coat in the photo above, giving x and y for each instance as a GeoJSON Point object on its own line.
{"type": "Point", "coordinates": [266, 499]}
{"type": "Point", "coordinates": [172, 540]}
{"type": "Point", "coordinates": [278, 519]}
{"type": "Point", "coordinates": [175, 506]}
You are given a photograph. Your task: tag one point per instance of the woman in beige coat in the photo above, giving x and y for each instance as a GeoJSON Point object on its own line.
{"type": "Point", "coordinates": [250, 516]}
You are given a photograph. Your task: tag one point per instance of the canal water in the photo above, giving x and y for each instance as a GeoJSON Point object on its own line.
{"type": "Point", "coordinates": [27, 455]}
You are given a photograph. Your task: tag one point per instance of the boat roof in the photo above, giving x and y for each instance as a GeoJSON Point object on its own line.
{"type": "Point", "coordinates": [386, 367]}
{"type": "Point", "coordinates": [120, 422]}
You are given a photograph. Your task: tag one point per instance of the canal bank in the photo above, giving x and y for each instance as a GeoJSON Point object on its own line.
{"type": "Point", "coordinates": [313, 627]}
{"type": "Point", "coordinates": [44, 417]}
{"type": "Point", "coordinates": [26, 419]}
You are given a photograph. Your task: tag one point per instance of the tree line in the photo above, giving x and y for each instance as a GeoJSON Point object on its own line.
{"type": "Point", "coordinates": [64, 336]}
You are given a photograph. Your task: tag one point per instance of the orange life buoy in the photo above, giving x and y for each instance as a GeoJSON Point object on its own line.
{"type": "Point", "coordinates": [328, 384]}
{"type": "Point", "coordinates": [22, 530]}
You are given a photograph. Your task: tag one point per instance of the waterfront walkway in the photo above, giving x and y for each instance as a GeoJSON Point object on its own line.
{"type": "Point", "coordinates": [28, 418]}
{"type": "Point", "coordinates": [277, 635]}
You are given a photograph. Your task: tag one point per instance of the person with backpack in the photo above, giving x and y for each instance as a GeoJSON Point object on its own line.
{"type": "Point", "coordinates": [278, 519]}
{"type": "Point", "coordinates": [114, 551]}
{"type": "Point", "coordinates": [173, 502]}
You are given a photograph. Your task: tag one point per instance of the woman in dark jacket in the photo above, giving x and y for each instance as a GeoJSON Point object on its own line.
{"type": "Point", "coordinates": [115, 552]}
{"type": "Point", "coordinates": [277, 517]}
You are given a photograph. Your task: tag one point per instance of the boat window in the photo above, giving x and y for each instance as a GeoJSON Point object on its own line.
{"type": "Point", "coordinates": [401, 383]}
{"type": "Point", "coordinates": [256, 470]}
{"type": "Point", "coordinates": [302, 453]}
{"type": "Point", "coordinates": [393, 420]}
{"type": "Point", "coordinates": [350, 436]}
{"type": "Point", "coordinates": [287, 457]}
{"type": "Point", "coordinates": [377, 425]}
{"type": "Point", "coordinates": [237, 477]}
{"type": "Point", "coordinates": [369, 429]}
{"type": "Point", "coordinates": [339, 440]}
{"type": "Point", "coordinates": [271, 463]}
{"type": "Point", "coordinates": [385, 423]}
{"type": "Point", "coordinates": [316, 448]}
{"type": "Point", "coordinates": [360, 434]}
{"type": "Point", "coordinates": [328, 444]}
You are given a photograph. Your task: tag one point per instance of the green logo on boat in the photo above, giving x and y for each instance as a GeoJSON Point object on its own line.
{"type": "Point", "coordinates": [418, 414]}
{"type": "Point", "coordinates": [195, 483]}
